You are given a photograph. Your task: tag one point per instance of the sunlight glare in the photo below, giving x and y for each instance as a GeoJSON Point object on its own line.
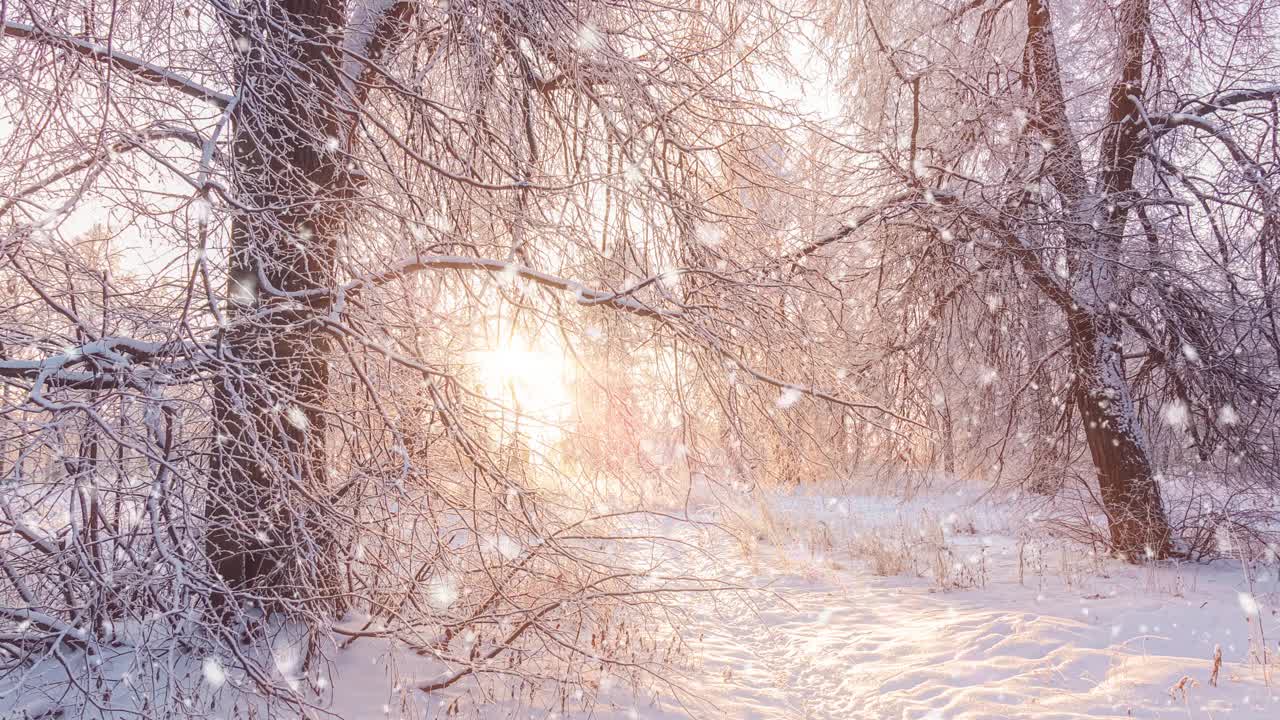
{"type": "Point", "coordinates": [533, 380]}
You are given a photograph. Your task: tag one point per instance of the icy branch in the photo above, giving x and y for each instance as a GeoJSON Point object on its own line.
{"type": "Point", "coordinates": [583, 294]}
{"type": "Point", "coordinates": [141, 68]}
{"type": "Point", "coordinates": [109, 362]}
{"type": "Point", "coordinates": [848, 228]}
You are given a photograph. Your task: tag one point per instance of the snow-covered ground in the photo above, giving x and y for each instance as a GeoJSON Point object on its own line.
{"type": "Point", "coordinates": [949, 607]}
{"type": "Point", "coordinates": [1078, 636]}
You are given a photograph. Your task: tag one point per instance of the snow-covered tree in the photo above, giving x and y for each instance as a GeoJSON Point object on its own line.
{"type": "Point", "coordinates": [1078, 199]}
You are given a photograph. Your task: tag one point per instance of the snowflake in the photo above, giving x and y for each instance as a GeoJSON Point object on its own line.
{"type": "Point", "coordinates": [296, 417]}
{"type": "Point", "coordinates": [506, 546]}
{"type": "Point", "coordinates": [589, 39]}
{"type": "Point", "coordinates": [443, 592]}
{"type": "Point", "coordinates": [214, 674]}
{"type": "Point", "coordinates": [287, 661]}
{"type": "Point", "coordinates": [1222, 537]}
{"type": "Point", "coordinates": [1175, 414]}
{"type": "Point", "coordinates": [1060, 267]}
{"type": "Point", "coordinates": [710, 234]}
{"type": "Point", "coordinates": [670, 279]}
{"type": "Point", "coordinates": [1248, 603]}
{"type": "Point", "coordinates": [244, 288]}
{"type": "Point", "coordinates": [438, 220]}
{"type": "Point", "coordinates": [634, 174]}
{"type": "Point", "coordinates": [1227, 415]}
{"type": "Point", "coordinates": [790, 396]}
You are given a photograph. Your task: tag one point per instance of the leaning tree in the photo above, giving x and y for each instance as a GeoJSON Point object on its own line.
{"type": "Point", "coordinates": [1077, 202]}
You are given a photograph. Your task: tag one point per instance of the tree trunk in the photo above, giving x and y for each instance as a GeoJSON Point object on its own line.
{"type": "Point", "coordinates": [1094, 233]}
{"type": "Point", "coordinates": [269, 488]}
{"type": "Point", "coordinates": [947, 440]}
{"type": "Point", "coordinates": [1126, 479]}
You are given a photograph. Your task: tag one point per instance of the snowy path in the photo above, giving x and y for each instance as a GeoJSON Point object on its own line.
{"type": "Point", "coordinates": [832, 641]}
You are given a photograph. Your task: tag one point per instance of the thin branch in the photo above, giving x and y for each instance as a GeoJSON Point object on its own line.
{"type": "Point", "coordinates": [141, 68]}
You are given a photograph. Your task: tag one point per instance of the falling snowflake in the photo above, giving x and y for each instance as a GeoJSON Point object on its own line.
{"type": "Point", "coordinates": [296, 417]}
{"type": "Point", "coordinates": [1175, 414]}
{"type": "Point", "coordinates": [1190, 353]}
{"type": "Point", "coordinates": [287, 661]}
{"type": "Point", "coordinates": [1227, 415]}
{"type": "Point", "coordinates": [1222, 537]}
{"type": "Point", "coordinates": [504, 545]}
{"type": "Point", "coordinates": [443, 592]}
{"type": "Point", "coordinates": [1060, 267]}
{"type": "Point", "coordinates": [438, 220]}
{"type": "Point", "coordinates": [589, 39]}
{"type": "Point", "coordinates": [1248, 603]}
{"type": "Point", "coordinates": [634, 174]}
{"type": "Point", "coordinates": [244, 288]}
{"type": "Point", "coordinates": [710, 234]}
{"type": "Point", "coordinates": [214, 674]}
{"type": "Point", "coordinates": [790, 396]}
{"type": "Point", "coordinates": [670, 279]}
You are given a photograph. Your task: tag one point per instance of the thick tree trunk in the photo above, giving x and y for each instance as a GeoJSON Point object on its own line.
{"type": "Point", "coordinates": [1126, 479]}
{"type": "Point", "coordinates": [1094, 234]}
{"type": "Point", "coordinates": [267, 533]}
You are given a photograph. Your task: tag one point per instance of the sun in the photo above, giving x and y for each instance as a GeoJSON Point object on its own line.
{"type": "Point", "coordinates": [531, 383]}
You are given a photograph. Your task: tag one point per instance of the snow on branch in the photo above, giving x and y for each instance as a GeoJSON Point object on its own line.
{"type": "Point", "coordinates": [588, 297]}
{"type": "Point", "coordinates": [583, 294]}
{"type": "Point", "coordinates": [849, 228]}
{"type": "Point", "coordinates": [141, 68]}
{"type": "Point", "coordinates": [1225, 100]}
{"type": "Point", "coordinates": [109, 362]}
{"type": "Point", "coordinates": [1197, 117]}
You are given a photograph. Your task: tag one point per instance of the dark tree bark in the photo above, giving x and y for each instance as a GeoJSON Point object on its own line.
{"type": "Point", "coordinates": [1094, 229]}
{"type": "Point", "coordinates": [269, 485]}
{"type": "Point", "coordinates": [1126, 480]}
